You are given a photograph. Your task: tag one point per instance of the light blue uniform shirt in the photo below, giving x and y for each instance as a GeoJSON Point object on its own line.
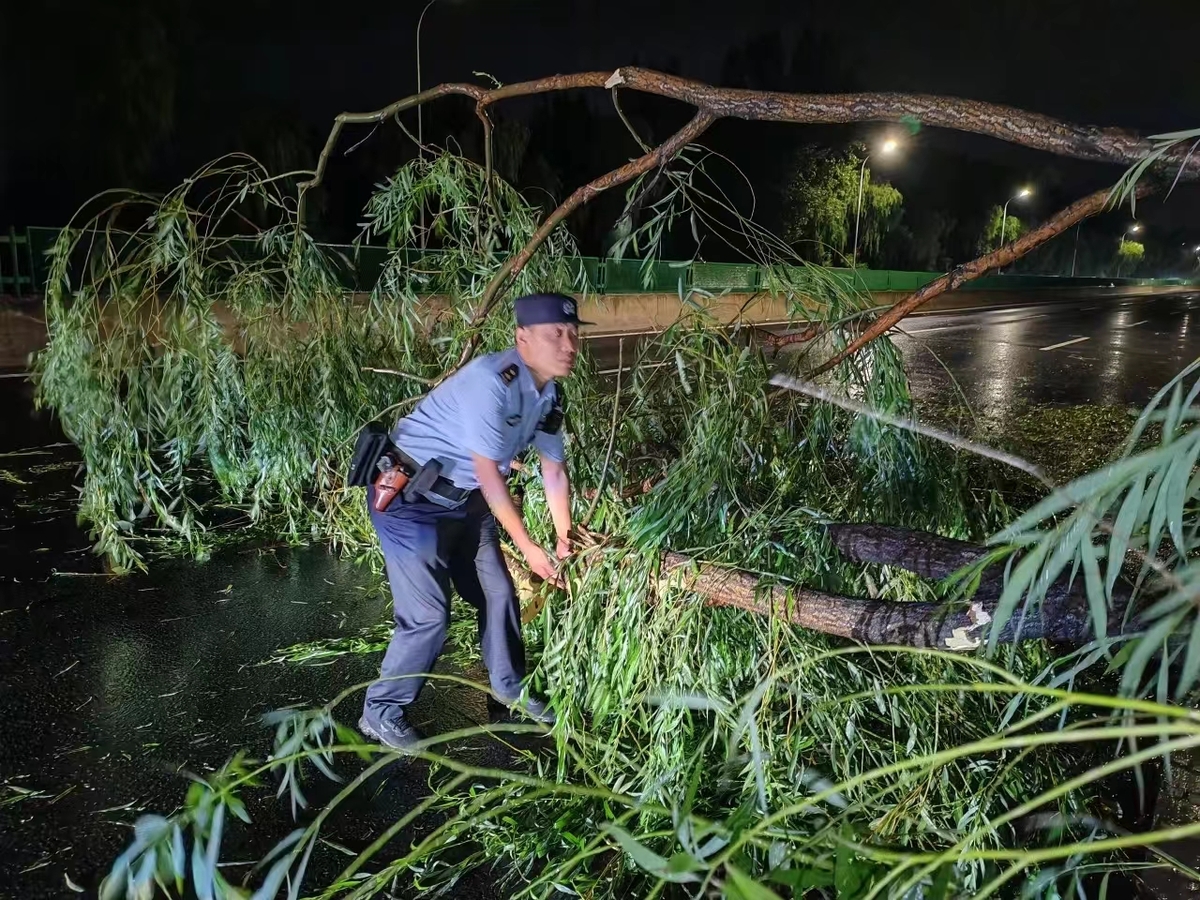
{"type": "Point", "coordinates": [476, 411]}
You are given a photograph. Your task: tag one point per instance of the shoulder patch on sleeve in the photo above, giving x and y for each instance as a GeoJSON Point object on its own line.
{"type": "Point", "coordinates": [509, 373]}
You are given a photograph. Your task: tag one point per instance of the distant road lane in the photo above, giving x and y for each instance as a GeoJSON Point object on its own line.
{"type": "Point", "coordinates": [1097, 351]}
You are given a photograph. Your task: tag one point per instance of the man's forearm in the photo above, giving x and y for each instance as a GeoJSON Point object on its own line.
{"type": "Point", "coordinates": [558, 495]}
{"type": "Point", "coordinates": [499, 500]}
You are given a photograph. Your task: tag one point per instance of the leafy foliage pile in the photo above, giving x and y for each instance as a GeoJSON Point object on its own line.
{"type": "Point", "coordinates": [702, 750]}
{"type": "Point", "coordinates": [198, 370]}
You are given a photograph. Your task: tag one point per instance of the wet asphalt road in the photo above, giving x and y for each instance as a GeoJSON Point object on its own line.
{"type": "Point", "coordinates": [111, 688]}
{"type": "Point", "coordinates": [1095, 351]}
{"type": "Point", "coordinates": [1110, 353]}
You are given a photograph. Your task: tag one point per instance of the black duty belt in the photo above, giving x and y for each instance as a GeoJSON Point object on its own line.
{"type": "Point", "coordinates": [374, 441]}
{"type": "Point", "coordinates": [439, 484]}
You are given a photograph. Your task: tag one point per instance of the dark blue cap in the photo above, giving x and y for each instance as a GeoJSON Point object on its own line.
{"type": "Point", "coordinates": [542, 309]}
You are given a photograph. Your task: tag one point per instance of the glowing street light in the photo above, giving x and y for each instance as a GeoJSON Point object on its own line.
{"type": "Point", "coordinates": [1132, 229]}
{"type": "Point", "coordinates": [1019, 195]}
{"type": "Point", "coordinates": [887, 148]}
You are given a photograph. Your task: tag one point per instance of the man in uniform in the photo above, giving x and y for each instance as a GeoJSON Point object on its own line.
{"type": "Point", "coordinates": [473, 424]}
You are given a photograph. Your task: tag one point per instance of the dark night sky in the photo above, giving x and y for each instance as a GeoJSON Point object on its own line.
{"type": "Point", "coordinates": [240, 71]}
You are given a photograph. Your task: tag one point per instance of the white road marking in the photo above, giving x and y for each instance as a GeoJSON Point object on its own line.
{"type": "Point", "coordinates": [974, 324]}
{"type": "Point", "coordinates": [1135, 324]}
{"type": "Point", "coordinates": [1065, 343]}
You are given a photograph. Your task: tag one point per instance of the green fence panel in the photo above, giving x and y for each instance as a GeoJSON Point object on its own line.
{"type": "Point", "coordinates": [725, 277]}
{"type": "Point", "coordinates": [869, 279]}
{"type": "Point", "coordinates": [635, 276]}
{"type": "Point", "coordinates": [591, 275]}
{"type": "Point", "coordinates": [906, 282]}
{"type": "Point", "coordinates": [25, 266]}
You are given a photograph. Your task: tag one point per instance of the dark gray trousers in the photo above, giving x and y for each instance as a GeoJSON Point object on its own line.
{"type": "Point", "coordinates": [427, 548]}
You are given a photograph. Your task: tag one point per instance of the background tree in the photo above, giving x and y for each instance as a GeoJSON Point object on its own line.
{"type": "Point", "coordinates": [820, 202]}
{"type": "Point", "coordinates": [1129, 253]}
{"type": "Point", "coordinates": [992, 237]}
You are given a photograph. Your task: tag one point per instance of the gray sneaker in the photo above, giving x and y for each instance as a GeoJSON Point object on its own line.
{"type": "Point", "coordinates": [531, 708]}
{"type": "Point", "coordinates": [396, 733]}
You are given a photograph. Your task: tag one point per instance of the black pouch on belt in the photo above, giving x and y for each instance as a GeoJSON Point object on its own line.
{"type": "Point", "coordinates": [373, 441]}
{"type": "Point", "coordinates": [423, 480]}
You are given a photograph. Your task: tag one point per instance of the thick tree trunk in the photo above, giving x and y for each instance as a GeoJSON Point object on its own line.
{"type": "Point", "coordinates": [1063, 617]}
{"type": "Point", "coordinates": [957, 627]}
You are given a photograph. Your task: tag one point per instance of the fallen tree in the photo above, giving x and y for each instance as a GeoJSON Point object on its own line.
{"type": "Point", "coordinates": [712, 103]}
{"type": "Point", "coordinates": [827, 755]}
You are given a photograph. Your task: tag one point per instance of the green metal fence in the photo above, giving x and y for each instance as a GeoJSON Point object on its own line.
{"type": "Point", "coordinates": [18, 267]}
{"type": "Point", "coordinates": [24, 266]}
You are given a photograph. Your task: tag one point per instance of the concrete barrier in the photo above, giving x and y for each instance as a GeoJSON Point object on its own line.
{"type": "Point", "coordinates": [615, 314]}
{"type": "Point", "coordinates": [23, 330]}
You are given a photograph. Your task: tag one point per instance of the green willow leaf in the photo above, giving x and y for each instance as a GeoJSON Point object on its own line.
{"type": "Point", "coordinates": [1148, 645]}
{"type": "Point", "coordinates": [1118, 543]}
{"type": "Point", "coordinates": [1017, 584]}
{"type": "Point", "coordinates": [646, 858]}
{"type": "Point", "coordinates": [1097, 607]}
{"type": "Point", "coordinates": [742, 887]}
{"type": "Point", "coordinates": [1191, 661]}
{"type": "Point", "coordinates": [1107, 480]}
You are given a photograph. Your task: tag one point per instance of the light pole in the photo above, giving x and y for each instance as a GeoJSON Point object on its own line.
{"type": "Point", "coordinates": [420, 133]}
{"type": "Point", "coordinates": [1019, 195]}
{"type": "Point", "coordinates": [420, 129]}
{"type": "Point", "coordinates": [888, 147]}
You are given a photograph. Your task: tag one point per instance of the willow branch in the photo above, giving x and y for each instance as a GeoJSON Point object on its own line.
{"type": "Point", "coordinates": [483, 98]}
{"type": "Point", "coordinates": [612, 435]}
{"type": "Point", "coordinates": [948, 626]}
{"type": "Point", "coordinates": [938, 434]}
{"type": "Point", "coordinates": [1002, 256]}
{"type": "Point", "coordinates": [659, 156]}
{"type": "Point", "coordinates": [1007, 123]}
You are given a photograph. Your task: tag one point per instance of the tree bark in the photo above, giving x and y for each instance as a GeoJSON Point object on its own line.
{"type": "Point", "coordinates": [924, 554]}
{"type": "Point", "coordinates": [959, 627]}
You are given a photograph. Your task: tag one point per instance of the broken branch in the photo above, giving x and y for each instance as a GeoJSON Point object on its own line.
{"type": "Point", "coordinates": [1002, 256]}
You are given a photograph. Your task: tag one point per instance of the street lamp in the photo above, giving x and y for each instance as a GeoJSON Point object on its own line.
{"type": "Point", "coordinates": [420, 129]}
{"type": "Point", "coordinates": [420, 134]}
{"type": "Point", "coordinates": [886, 149]}
{"type": "Point", "coordinates": [1019, 195]}
{"type": "Point", "coordinates": [1132, 229]}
